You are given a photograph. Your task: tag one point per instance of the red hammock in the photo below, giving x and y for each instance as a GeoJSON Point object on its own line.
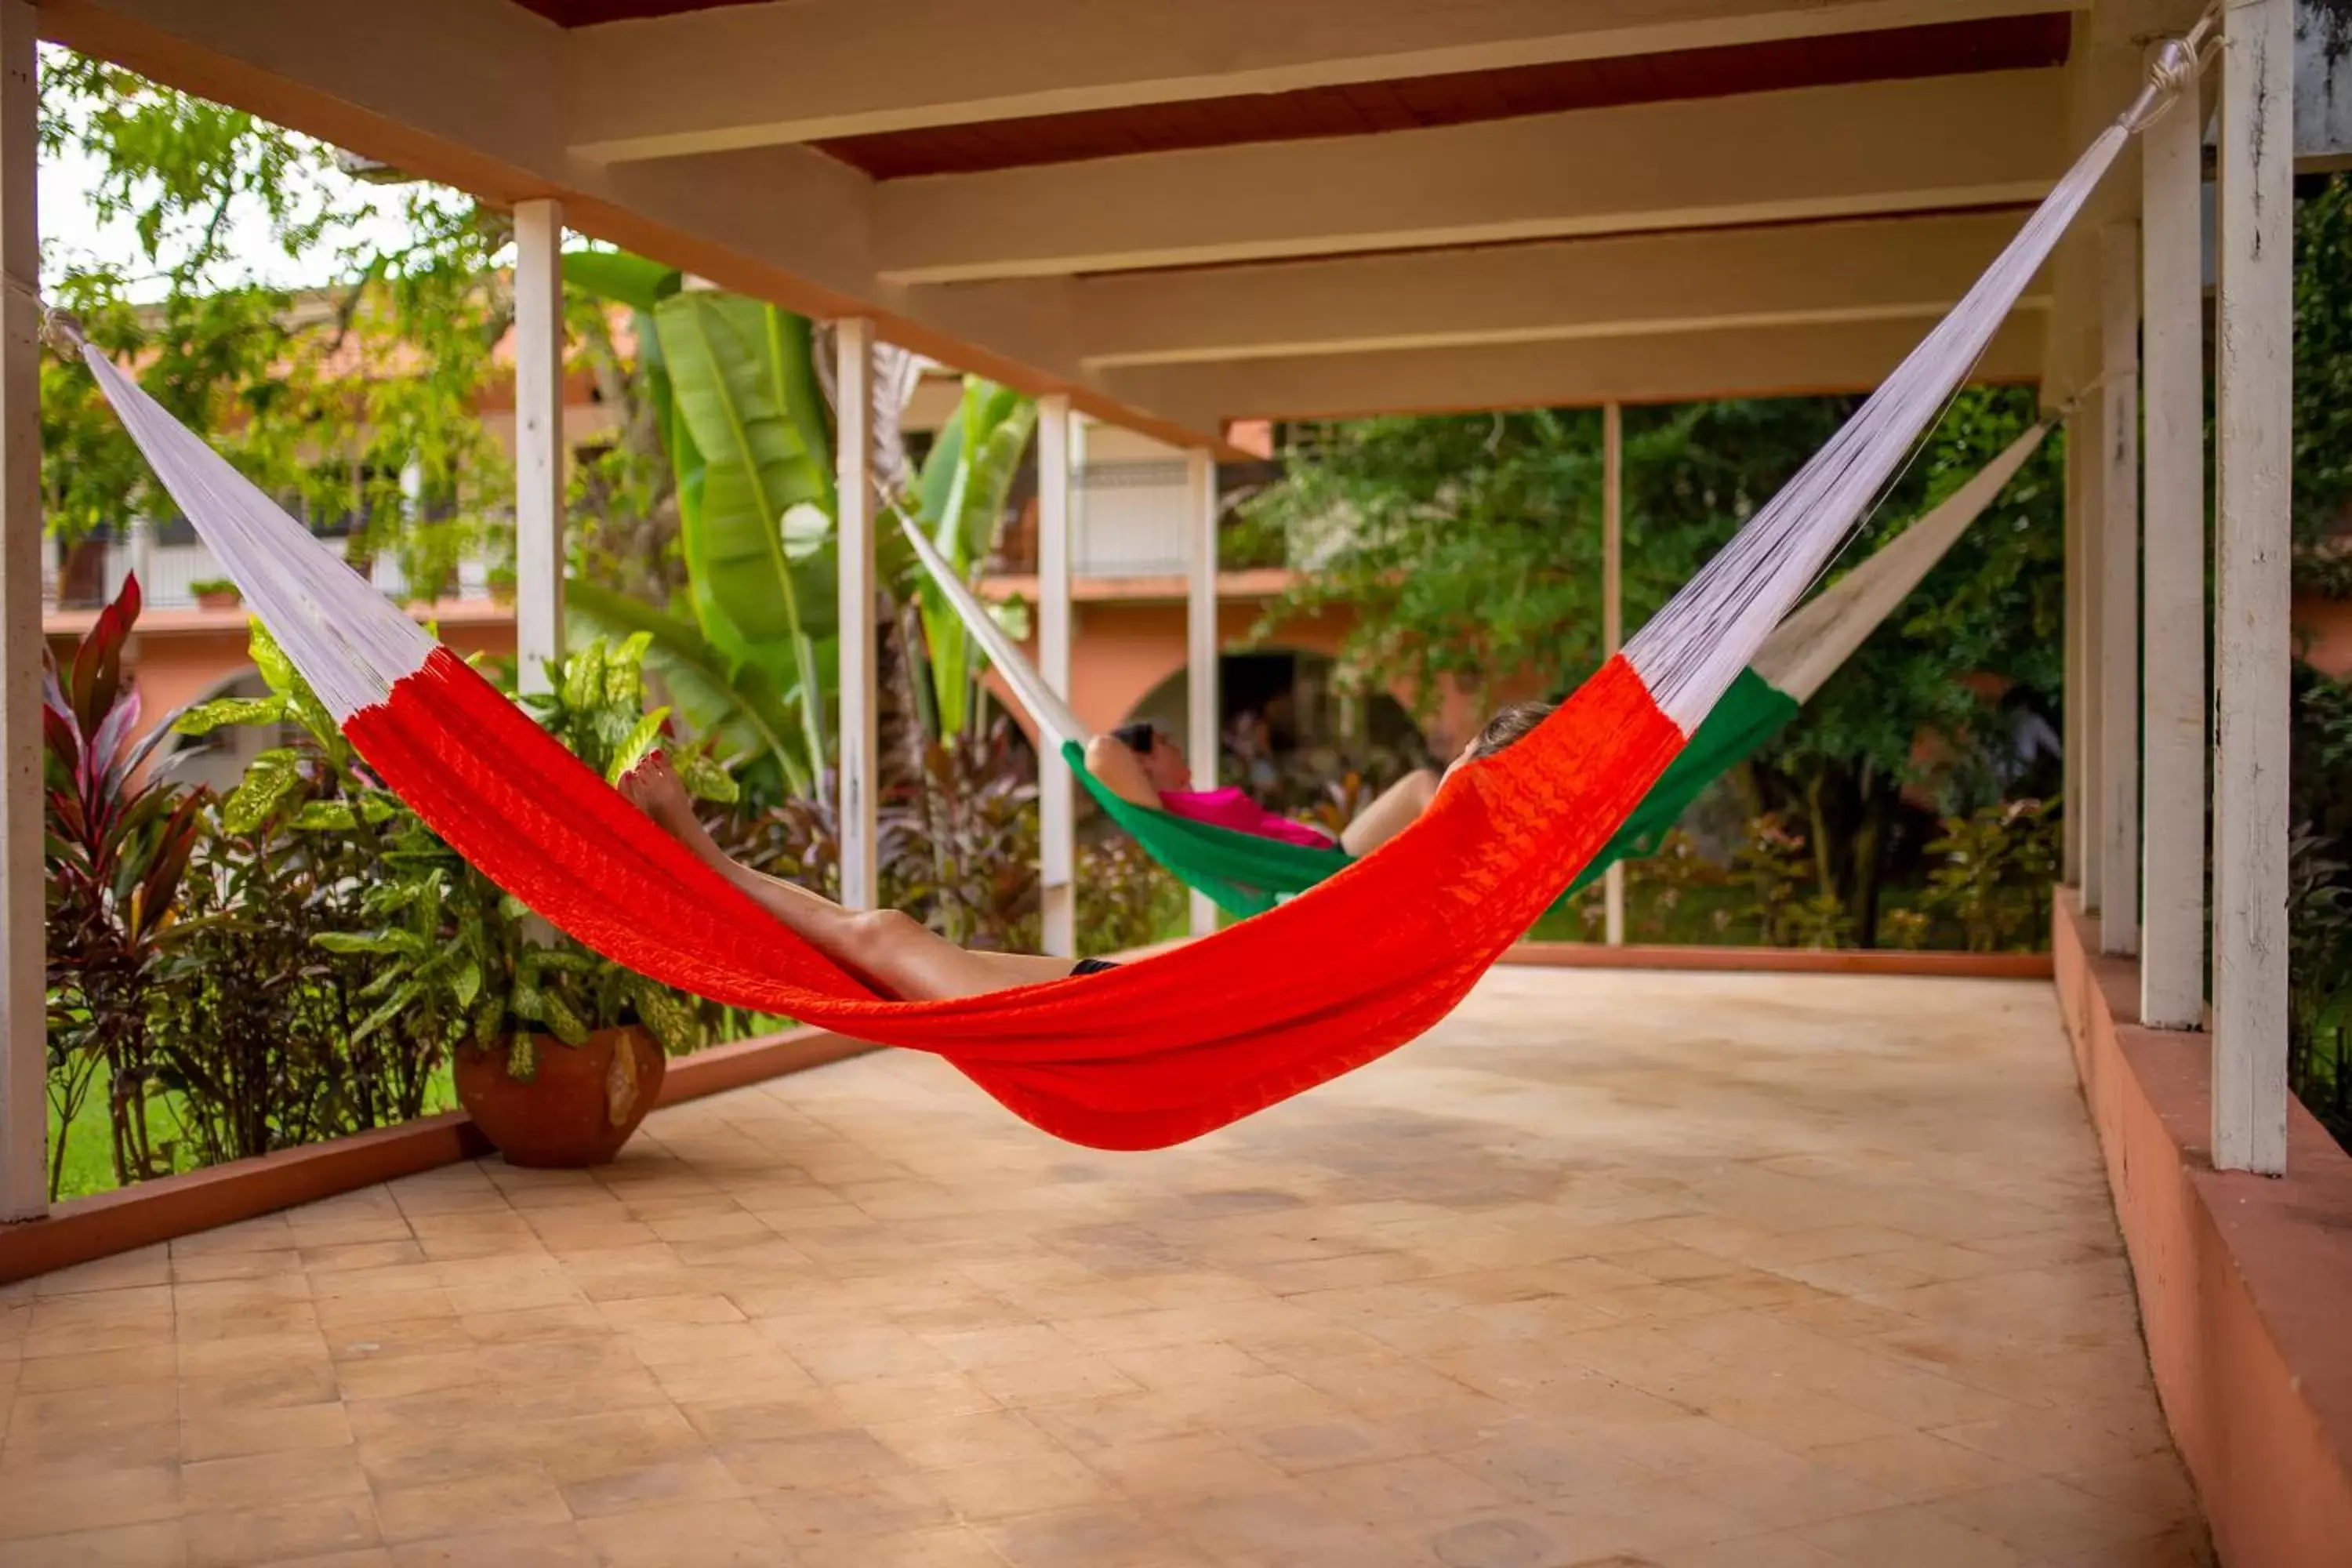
{"type": "Point", "coordinates": [1138, 1057]}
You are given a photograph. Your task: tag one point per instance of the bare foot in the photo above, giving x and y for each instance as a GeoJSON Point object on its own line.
{"type": "Point", "coordinates": [653, 788]}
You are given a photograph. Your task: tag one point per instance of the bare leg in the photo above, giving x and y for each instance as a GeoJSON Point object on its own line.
{"type": "Point", "coordinates": [1390, 814]}
{"type": "Point", "coordinates": [888, 947]}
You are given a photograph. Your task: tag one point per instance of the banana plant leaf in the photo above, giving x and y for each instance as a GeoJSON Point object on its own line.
{"type": "Point", "coordinates": [747, 400]}
{"type": "Point", "coordinates": [961, 491]}
{"type": "Point", "coordinates": [735, 703]}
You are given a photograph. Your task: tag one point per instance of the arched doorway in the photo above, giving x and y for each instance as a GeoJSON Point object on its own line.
{"type": "Point", "coordinates": [1288, 732]}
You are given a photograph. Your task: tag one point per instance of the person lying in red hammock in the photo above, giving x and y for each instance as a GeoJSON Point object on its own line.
{"type": "Point", "coordinates": [889, 949]}
{"type": "Point", "coordinates": [1142, 766]}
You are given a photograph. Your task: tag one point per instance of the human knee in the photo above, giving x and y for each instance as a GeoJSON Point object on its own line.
{"type": "Point", "coordinates": [881, 934]}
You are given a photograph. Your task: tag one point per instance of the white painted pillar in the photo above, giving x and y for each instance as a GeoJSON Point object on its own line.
{"type": "Point", "coordinates": [859, 750]}
{"type": "Point", "coordinates": [1058, 841]}
{"type": "Point", "coordinates": [539, 440]}
{"type": "Point", "coordinates": [2172, 937]}
{"type": "Point", "coordinates": [2253, 409]}
{"type": "Point", "coordinates": [2087, 441]}
{"type": "Point", "coordinates": [1202, 691]}
{"type": "Point", "coordinates": [1612, 618]}
{"type": "Point", "coordinates": [2075, 701]}
{"type": "Point", "coordinates": [2119, 696]}
{"type": "Point", "coordinates": [24, 1043]}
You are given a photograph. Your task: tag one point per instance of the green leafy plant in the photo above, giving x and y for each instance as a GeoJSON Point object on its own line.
{"type": "Point", "coordinates": [1994, 874]}
{"type": "Point", "coordinates": [451, 959]}
{"type": "Point", "coordinates": [116, 844]}
{"type": "Point", "coordinates": [209, 587]}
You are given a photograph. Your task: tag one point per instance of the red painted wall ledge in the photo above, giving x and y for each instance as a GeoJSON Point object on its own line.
{"type": "Point", "coordinates": [82, 1229]}
{"type": "Point", "coordinates": [2245, 1282]}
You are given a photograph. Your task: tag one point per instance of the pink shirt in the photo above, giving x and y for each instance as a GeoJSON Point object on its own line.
{"type": "Point", "coordinates": [1231, 808]}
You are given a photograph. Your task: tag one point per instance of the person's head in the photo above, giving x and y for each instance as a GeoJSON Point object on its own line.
{"type": "Point", "coordinates": [1508, 725]}
{"type": "Point", "coordinates": [1161, 759]}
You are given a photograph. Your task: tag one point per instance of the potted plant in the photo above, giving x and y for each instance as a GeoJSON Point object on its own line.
{"type": "Point", "coordinates": [557, 1054]}
{"type": "Point", "coordinates": [216, 594]}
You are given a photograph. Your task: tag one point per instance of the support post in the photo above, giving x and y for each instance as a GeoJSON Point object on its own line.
{"type": "Point", "coordinates": [2086, 442]}
{"type": "Point", "coordinates": [1057, 834]}
{"type": "Point", "coordinates": [860, 747]}
{"type": "Point", "coordinates": [539, 440]}
{"type": "Point", "coordinates": [2073, 701]}
{"type": "Point", "coordinates": [2172, 938]}
{"type": "Point", "coordinates": [1613, 618]}
{"type": "Point", "coordinates": [2119, 695]}
{"type": "Point", "coordinates": [2252, 341]}
{"type": "Point", "coordinates": [1201, 686]}
{"type": "Point", "coordinates": [24, 1043]}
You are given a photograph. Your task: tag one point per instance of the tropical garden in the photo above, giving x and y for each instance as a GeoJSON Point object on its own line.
{"type": "Point", "coordinates": [298, 958]}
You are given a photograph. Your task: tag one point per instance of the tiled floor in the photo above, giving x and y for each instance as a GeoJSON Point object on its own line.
{"type": "Point", "coordinates": [1689, 1271]}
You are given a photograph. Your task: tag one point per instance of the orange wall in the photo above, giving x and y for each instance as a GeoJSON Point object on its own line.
{"type": "Point", "coordinates": [2324, 633]}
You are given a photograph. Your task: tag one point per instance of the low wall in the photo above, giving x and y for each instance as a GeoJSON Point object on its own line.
{"type": "Point", "coordinates": [2245, 1282]}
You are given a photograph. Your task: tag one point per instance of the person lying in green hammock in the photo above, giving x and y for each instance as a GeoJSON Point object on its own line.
{"type": "Point", "coordinates": [1142, 765]}
{"type": "Point", "coordinates": [891, 949]}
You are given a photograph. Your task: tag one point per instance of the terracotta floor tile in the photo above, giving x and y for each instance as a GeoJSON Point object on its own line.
{"type": "Point", "coordinates": [512, 1497]}
{"type": "Point", "coordinates": [225, 1435]}
{"type": "Point", "coordinates": [159, 1545]}
{"type": "Point", "coordinates": [528, 1546]}
{"type": "Point", "coordinates": [1538, 1291]}
{"type": "Point", "coordinates": [945, 1442]}
{"type": "Point", "coordinates": [1913, 1536]}
{"type": "Point", "coordinates": [955, 1547]}
{"type": "Point", "coordinates": [259, 1480]}
{"type": "Point", "coordinates": [870, 1507]}
{"type": "Point", "coordinates": [1008, 1489]}
{"type": "Point", "coordinates": [687, 1535]}
{"type": "Point", "coordinates": [2045, 1517]}
{"type": "Point", "coordinates": [697, 1479]}
{"type": "Point", "coordinates": [269, 1534]}
{"type": "Point", "coordinates": [1088, 1538]}
{"type": "Point", "coordinates": [100, 1369]}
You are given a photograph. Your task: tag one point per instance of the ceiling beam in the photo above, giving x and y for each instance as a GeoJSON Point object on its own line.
{"type": "Point", "coordinates": [1677, 367]}
{"type": "Point", "coordinates": [752, 75]}
{"type": "Point", "coordinates": [1873, 148]}
{"type": "Point", "coordinates": [1570, 290]}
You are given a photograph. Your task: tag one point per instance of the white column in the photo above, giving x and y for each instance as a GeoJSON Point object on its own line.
{"type": "Point", "coordinates": [1058, 842]}
{"type": "Point", "coordinates": [2086, 439]}
{"type": "Point", "coordinates": [1613, 618]}
{"type": "Point", "coordinates": [24, 1045]}
{"type": "Point", "coordinates": [1201, 743]}
{"type": "Point", "coordinates": [2075, 700]}
{"type": "Point", "coordinates": [539, 440]}
{"type": "Point", "coordinates": [2118, 589]}
{"type": "Point", "coordinates": [860, 746]}
{"type": "Point", "coordinates": [2172, 938]}
{"type": "Point", "coordinates": [2254, 332]}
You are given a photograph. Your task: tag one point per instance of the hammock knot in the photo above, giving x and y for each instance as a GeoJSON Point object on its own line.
{"type": "Point", "coordinates": [2172, 67]}
{"type": "Point", "coordinates": [62, 331]}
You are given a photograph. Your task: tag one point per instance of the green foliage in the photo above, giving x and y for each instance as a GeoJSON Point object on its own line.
{"type": "Point", "coordinates": [1994, 880]}
{"type": "Point", "coordinates": [2323, 388]}
{"type": "Point", "coordinates": [116, 845]}
{"type": "Point", "coordinates": [961, 497]}
{"type": "Point", "coordinates": [322, 399]}
{"type": "Point", "coordinates": [2319, 906]}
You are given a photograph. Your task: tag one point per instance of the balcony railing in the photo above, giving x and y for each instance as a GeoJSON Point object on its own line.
{"type": "Point", "coordinates": [168, 575]}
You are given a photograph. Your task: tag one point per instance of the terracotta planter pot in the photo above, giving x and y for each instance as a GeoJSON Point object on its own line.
{"type": "Point", "coordinates": [219, 601]}
{"type": "Point", "coordinates": [575, 1111]}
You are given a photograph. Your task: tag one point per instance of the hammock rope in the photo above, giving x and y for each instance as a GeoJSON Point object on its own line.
{"type": "Point", "coordinates": [1168, 1047]}
{"type": "Point", "coordinates": [1247, 874]}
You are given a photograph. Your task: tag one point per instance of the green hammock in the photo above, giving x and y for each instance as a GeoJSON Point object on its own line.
{"type": "Point", "coordinates": [1246, 875]}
